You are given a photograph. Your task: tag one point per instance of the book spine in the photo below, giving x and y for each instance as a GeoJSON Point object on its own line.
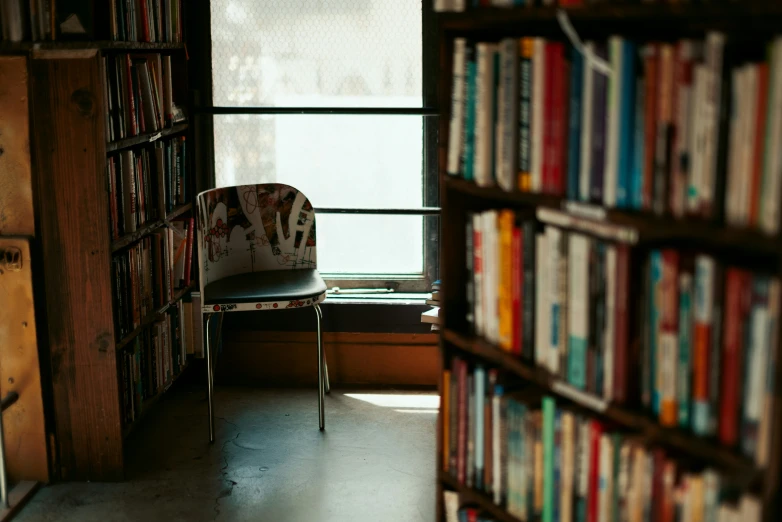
{"type": "Point", "coordinates": [578, 319]}
{"type": "Point", "coordinates": [525, 112]}
{"type": "Point", "coordinates": [479, 378]}
{"type": "Point", "coordinates": [568, 465]}
{"type": "Point", "coordinates": [627, 125]}
{"type": "Point", "coordinates": [703, 331]}
{"type": "Point", "coordinates": [461, 455]}
{"type": "Point", "coordinates": [542, 300]}
{"type": "Point", "coordinates": [587, 127]}
{"type": "Point", "coordinates": [637, 176]}
{"type": "Point", "coordinates": [664, 130]}
{"type": "Point", "coordinates": [559, 124]}
{"type": "Point", "coordinates": [454, 418]}
{"type": "Point", "coordinates": [478, 272]}
{"type": "Point", "coordinates": [470, 455]}
{"type": "Point", "coordinates": [538, 114]}
{"type": "Point", "coordinates": [498, 446]}
{"type": "Point", "coordinates": [554, 238]}
{"type": "Point", "coordinates": [549, 420]}
{"type": "Point", "coordinates": [758, 325]}
{"type": "Point", "coordinates": [668, 344]}
{"type": "Point", "coordinates": [508, 110]}
{"type": "Point", "coordinates": [609, 337]}
{"type": "Point", "coordinates": [613, 105]}
{"type": "Point", "coordinates": [656, 273]}
{"type": "Point", "coordinates": [516, 269]}
{"type": "Point", "coordinates": [766, 421]}
{"type": "Point", "coordinates": [650, 121]}
{"type": "Point", "coordinates": [683, 118]}
{"type": "Point", "coordinates": [457, 107]}
{"type": "Point", "coordinates": [685, 366]}
{"type": "Point", "coordinates": [574, 124]}
{"type": "Point", "coordinates": [593, 492]}
{"type": "Point", "coordinates": [622, 367]}
{"type": "Point", "coordinates": [484, 124]}
{"type": "Point", "coordinates": [471, 78]}
{"type": "Point", "coordinates": [470, 272]}
{"type": "Point", "coordinates": [715, 44]}
{"type": "Point", "coordinates": [772, 180]}
{"type": "Point", "coordinates": [528, 291]}
{"type": "Point", "coordinates": [505, 280]}
{"type": "Point", "coordinates": [548, 117]}
{"type": "Point", "coordinates": [736, 283]}
{"type": "Point", "coordinates": [600, 93]}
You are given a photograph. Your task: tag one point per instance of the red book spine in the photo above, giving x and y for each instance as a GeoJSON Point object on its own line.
{"type": "Point", "coordinates": [594, 472]}
{"type": "Point", "coordinates": [189, 251]}
{"type": "Point", "coordinates": [517, 274]}
{"type": "Point", "coordinates": [737, 301]}
{"type": "Point", "coordinates": [760, 134]}
{"type": "Point", "coordinates": [650, 124]}
{"type": "Point", "coordinates": [131, 109]}
{"type": "Point", "coordinates": [145, 20]}
{"type": "Point", "coordinates": [557, 118]}
{"type": "Point", "coordinates": [657, 485]}
{"type": "Point", "coordinates": [461, 441]}
{"type": "Point", "coordinates": [548, 113]}
{"type": "Point", "coordinates": [621, 323]}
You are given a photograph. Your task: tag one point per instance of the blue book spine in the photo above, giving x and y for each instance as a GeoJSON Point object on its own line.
{"type": "Point", "coordinates": [626, 125]}
{"type": "Point", "coordinates": [684, 369]}
{"type": "Point", "coordinates": [637, 176]}
{"type": "Point", "coordinates": [574, 138]}
{"type": "Point", "coordinates": [468, 163]}
{"type": "Point", "coordinates": [480, 397]}
{"type": "Point", "coordinates": [600, 107]}
{"type": "Point", "coordinates": [656, 271]}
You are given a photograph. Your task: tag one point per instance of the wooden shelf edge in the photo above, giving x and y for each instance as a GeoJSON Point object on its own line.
{"type": "Point", "coordinates": [147, 228]}
{"type": "Point", "coordinates": [89, 44]}
{"type": "Point", "coordinates": [150, 318]}
{"type": "Point", "coordinates": [469, 496]}
{"type": "Point", "coordinates": [649, 227]}
{"type": "Point", "coordinates": [700, 448]}
{"type": "Point", "coordinates": [147, 137]}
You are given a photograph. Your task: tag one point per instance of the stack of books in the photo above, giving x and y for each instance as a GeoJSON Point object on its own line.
{"type": "Point", "coordinates": [433, 315]}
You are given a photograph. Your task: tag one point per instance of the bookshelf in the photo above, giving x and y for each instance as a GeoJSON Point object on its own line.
{"type": "Point", "coordinates": [683, 462]}
{"type": "Point", "coordinates": [108, 117]}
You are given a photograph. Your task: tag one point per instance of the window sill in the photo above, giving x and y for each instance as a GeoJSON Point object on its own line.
{"type": "Point", "coordinates": [414, 299]}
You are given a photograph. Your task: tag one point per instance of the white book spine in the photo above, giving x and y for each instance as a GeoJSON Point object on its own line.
{"type": "Point", "coordinates": [750, 509]}
{"type": "Point", "coordinates": [554, 235]}
{"type": "Point", "coordinates": [772, 168]}
{"type": "Point", "coordinates": [538, 86]}
{"type": "Point", "coordinates": [442, 5]}
{"type": "Point", "coordinates": [459, 5]}
{"type": "Point", "coordinates": [760, 331]}
{"type": "Point", "coordinates": [610, 177]}
{"type": "Point", "coordinates": [586, 128]}
{"type": "Point", "coordinates": [455, 136]}
{"type": "Point", "coordinates": [698, 140]}
{"type": "Point", "coordinates": [578, 297]}
{"type": "Point", "coordinates": [484, 146]}
{"type": "Point", "coordinates": [734, 173]}
{"type": "Point", "coordinates": [542, 308]}
{"type": "Point", "coordinates": [749, 116]}
{"type": "Point", "coordinates": [610, 327]}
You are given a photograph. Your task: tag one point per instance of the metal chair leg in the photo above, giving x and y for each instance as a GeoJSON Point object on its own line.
{"type": "Point", "coordinates": [209, 380]}
{"type": "Point", "coordinates": [321, 379]}
{"type": "Point", "coordinates": [325, 359]}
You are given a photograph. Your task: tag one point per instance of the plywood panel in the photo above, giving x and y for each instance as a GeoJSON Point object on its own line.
{"type": "Point", "coordinates": [23, 423]}
{"type": "Point", "coordinates": [72, 207]}
{"type": "Point", "coordinates": [16, 194]}
{"type": "Point", "coordinates": [289, 358]}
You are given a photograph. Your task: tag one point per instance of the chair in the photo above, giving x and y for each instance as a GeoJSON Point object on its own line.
{"type": "Point", "coordinates": [256, 246]}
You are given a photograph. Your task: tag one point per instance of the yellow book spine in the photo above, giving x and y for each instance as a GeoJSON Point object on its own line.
{"type": "Point", "coordinates": [504, 304]}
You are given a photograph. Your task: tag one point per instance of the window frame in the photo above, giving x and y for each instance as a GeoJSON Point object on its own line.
{"type": "Point", "coordinates": [430, 211]}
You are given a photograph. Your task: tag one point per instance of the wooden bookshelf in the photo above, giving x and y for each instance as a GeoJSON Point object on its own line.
{"type": "Point", "coordinates": [150, 403]}
{"type": "Point", "coordinates": [148, 137]}
{"type": "Point", "coordinates": [153, 316]}
{"type": "Point", "coordinates": [731, 245]}
{"type": "Point", "coordinates": [105, 45]}
{"type": "Point", "coordinates": [148, 228]}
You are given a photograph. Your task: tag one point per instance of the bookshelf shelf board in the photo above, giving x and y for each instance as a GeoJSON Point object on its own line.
{"type": "Point", "coordinates": [17, 47]}
{"type": "Point", "coordinates": [496, 19]}
{"type": "Point", "coordinates": [151, 317]}
{"type": "Point", "coordinates": [148, 137]}
{"type": "Point", "coordinates": [697, 447]}
{"type": "Point", "coordinates": [684, 232]}
{"type": "Point", "coordinates": [471, 497]}
{"type": "Point", "coordinates": [146, 229]}
{"type": "Point", "coordinates": [150, 403]}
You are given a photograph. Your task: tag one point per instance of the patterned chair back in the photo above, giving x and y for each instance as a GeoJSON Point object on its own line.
{"type": "Point", "coordinates": [253, 228]}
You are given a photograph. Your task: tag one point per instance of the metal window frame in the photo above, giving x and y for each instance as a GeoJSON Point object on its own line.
{"type": "Point", "coordinates": [204, 117]}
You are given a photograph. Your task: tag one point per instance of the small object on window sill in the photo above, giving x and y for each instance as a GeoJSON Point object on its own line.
{"type": "Point", "coordinates": [342, 291]}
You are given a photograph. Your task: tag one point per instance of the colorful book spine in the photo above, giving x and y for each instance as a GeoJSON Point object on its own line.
{"type": "Point", "coordinates": [627, 125]}
{"type": "Point", "coordinates": [528, 291]}
{"type": "Point", "coordinates": [574, 123]}
{"type": "Point", "coordinates": [599, 136]}
{"type": "Point", "coordinates": [471, 73]}
{"type": "Point", "coordinates": [587, 128]}
{"type": "Point", "coordinates": [549, 421]}
{"type": "Point", "coordinates": [656, 274]}
{"type": "Point", "coordinates": [479, 376]}
{"type": "Point", "coordinates": [756, 359]}
{"type": "Point", "coordinates": [668, 343]}
{"type": "Point", "coordinates": [525, 112]}
{"type": "Point", "coordinates": [703, 331]}
{"type": "Point", "coordinates": [684, 368]}
{"type": "Point", "coordinates": [578, 318]}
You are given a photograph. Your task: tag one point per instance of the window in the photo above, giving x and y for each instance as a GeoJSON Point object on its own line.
{"type": "Point", "coordinates": [331, 96]}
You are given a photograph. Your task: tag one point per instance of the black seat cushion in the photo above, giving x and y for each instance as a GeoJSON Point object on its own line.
{"type": "Point", "coordinates": [271, 285]}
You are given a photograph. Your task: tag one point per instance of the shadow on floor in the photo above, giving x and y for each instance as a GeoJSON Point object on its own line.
{"type": "Point", "coordinates": [374, 462]}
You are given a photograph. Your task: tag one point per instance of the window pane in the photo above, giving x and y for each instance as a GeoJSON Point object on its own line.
{"type": "Point", "coordinates": [337, 161]}
{"type": "Point", "coordinates": [370, 244]}
{"type": "Point", "coordinates": [316, 53]}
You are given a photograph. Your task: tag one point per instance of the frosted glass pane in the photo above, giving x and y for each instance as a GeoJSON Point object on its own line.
{"type": "Point", "coordinates": [337, 161]}
{"type": "Point", "coordinates": [316, 53]}
{"type": "Point", "coordinates": [370, 244]}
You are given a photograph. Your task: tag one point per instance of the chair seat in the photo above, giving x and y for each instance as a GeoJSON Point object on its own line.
{"type": "Point", "coordinates": [266, 286]}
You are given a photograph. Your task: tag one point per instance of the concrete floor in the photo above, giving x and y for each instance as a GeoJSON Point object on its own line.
{"type": "Point", "coordinates": [374, 462]}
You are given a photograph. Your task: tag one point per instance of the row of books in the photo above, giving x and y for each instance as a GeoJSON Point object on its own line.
{"type": "Point", "coordinates": [27, 20]}
{"type": "Point", "coordinates": [541, 461]}
{"type": "Point", "coordinates": [573, 305]}
{"type": "Point", "coordinates": [146, 184]}
{"type": "Point", "coordinates": [156, 356]}
{"type": "Point", "coordinates": [139, 92]}
{"type": "Point", "coordinates": [461, 5]}
{"type": "Point", "coordinates": [659, 127]}
{"type": "Point", "coordinates": [147, 274]}
{"type": "Point", "coordinates": [146, 20]}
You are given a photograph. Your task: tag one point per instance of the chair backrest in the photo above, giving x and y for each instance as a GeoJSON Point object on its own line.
{"type": "Point", "coordinates": [253, 228]}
